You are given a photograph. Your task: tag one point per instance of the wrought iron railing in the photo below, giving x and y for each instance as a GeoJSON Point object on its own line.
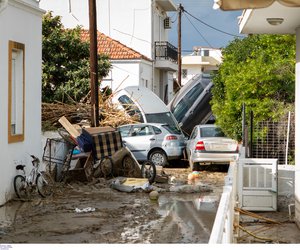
{"type": "Point", "coordinates": [166, 51]}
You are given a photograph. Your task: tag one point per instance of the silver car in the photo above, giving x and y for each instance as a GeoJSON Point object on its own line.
{"type": "Point", "coordinates": [156, 142]}
{"type": "Point", "coordinates": [207, 144]}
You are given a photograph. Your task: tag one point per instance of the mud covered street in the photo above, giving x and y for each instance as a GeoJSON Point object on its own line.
{"type": "Point", "coordinates": [96, 213]}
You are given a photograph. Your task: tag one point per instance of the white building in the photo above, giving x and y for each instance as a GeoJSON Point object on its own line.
{"type": "Point", "coordinates": [139, 24]}
{"type": "Point", "coordinates": [202, 60]}
{"type": "Point", "coordinates": [275, 17]}
{"type": "Point", "coordinates": [20, 88]}
{"type": "Point", "coordinates": [280, 19]}
{"type": "Point", "coordinates": [129, 67]}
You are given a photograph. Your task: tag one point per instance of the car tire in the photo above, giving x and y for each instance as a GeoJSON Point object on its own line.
{"type": "Point", "coordinates": [158, 157]}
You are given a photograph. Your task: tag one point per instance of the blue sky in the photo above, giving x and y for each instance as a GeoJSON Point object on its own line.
{"type": "Point", "coordinates": [194, 33]}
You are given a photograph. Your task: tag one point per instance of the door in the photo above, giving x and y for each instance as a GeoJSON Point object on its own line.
{"type": "Point", "coordinates": [258, 184]}
{"type": "Point", "coordinates": [140, 141]}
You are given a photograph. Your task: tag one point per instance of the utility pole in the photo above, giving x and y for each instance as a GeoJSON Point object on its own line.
{"type": "Point", "coordinates": [93, 64]}
{"type": "Point", "coordinates": [180, 9]}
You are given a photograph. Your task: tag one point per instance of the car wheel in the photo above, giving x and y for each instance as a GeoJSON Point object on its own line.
{"type": "Point", "coordinates": [158, 157]}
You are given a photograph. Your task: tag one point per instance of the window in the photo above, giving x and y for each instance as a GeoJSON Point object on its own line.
{"type": "Point", "coordinates": [130, 107]}
{"type": "Point", "coordinates": [124, 131]}
{"type": "Point", "coordinates": [16, 91]}
{"type": "Point", "coordinates": [171, 130]}
{"type": "Point", "coordinates": [141, 131]}
{"type": "Point", "coordinates": [194, 93]}
{"type": "Point", "coordinates": [163, 118]}
{"type": "Point", "coordinates": [194, 133]}
{"type": "Point", "coordinates": [157, 131]}
{"type": "Point", "coordinates": [211, 132]}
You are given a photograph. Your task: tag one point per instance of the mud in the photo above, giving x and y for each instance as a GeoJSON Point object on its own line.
{"type": "Point", "coordinates": [95, 213]}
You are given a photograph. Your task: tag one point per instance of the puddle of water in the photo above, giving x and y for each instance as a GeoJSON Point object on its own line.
{"type": "Point", "coordinates": [194, 214]}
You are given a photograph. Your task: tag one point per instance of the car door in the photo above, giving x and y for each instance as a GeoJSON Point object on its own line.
{"type": "Point", "coordinates": [140, 140]}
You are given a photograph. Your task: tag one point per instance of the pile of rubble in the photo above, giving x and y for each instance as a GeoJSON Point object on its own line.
{"type": "Point", "coordinates": [80, 113]}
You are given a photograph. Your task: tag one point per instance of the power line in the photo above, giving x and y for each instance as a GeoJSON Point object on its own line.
{"type": "Point", "coordinates": [211, 26]}
{"type": "Point", "coordinates": [197, 30]}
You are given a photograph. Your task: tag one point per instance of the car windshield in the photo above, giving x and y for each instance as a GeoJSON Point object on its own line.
{"type": "Point", "coordinates": [211, 132]}
{"type": "Point", "coordinates": [170, 130]}
{"type": "Point", "coordinates": [130, 107]}
{"type": "Point", "coordinates": [164, 118]}
{"type": "Point", "coordinates": [190, 98]}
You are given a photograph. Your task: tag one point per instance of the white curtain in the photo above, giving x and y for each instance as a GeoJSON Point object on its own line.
{"type": "Point", "coordinates": [251, 4]}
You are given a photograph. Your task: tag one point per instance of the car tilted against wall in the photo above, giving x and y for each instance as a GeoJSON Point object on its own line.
{"type": "Point", "coordinates": [190, 106]}
{"type": "Point", "coordinates": [142, 102]}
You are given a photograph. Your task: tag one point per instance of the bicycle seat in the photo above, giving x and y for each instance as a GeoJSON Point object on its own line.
{"type": "Point", "coordinates": [20, 167]}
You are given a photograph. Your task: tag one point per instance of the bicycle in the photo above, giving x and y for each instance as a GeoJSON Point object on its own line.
{"type": "Point", "coordinates": [37, 180]}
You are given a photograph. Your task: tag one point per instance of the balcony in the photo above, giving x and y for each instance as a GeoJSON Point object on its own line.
{"type": "Point", "coordinates": [166, 56]}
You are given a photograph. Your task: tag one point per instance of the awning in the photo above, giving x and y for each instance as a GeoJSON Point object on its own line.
{"type": "Point", "coordinates": [251, 4]}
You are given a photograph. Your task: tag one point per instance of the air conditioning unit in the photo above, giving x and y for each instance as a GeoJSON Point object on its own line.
{"type": "Point", "coordinates": [167, 23]}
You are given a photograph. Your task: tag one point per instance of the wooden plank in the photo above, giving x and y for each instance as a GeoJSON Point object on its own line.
{"type": "Point", "coordinates": [69, 127]}
{"type": "Point", "coordinates": [98, 130]}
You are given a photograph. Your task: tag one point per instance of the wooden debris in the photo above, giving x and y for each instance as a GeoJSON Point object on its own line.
{"type": "Point", "coordinates": [69, 127]}
{"type": "Point", "coordinates": [80, 113]}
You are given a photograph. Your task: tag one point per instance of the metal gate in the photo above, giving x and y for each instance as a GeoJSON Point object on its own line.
{"type": "Point", "coordinates": [257, 188]}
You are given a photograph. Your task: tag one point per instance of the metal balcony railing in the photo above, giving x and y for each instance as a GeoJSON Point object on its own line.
{"type": "Point", "coordinates": [166, 51]}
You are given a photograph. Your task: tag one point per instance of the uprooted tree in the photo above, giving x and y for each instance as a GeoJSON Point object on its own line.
{"type": "Point", "coordinates": [259, 71]}
{"type": "Point", "coordinates": [66, 67]}
{"type": "Point", "coordinates": [66, 78]}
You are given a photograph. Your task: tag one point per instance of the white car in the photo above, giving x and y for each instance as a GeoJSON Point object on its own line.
{"type": "Point", "coordinates": [142, 102]}
{"type": "Point", "coordinates": [158, 143]}
{"type": "Point", "coordinates": [207, 144]}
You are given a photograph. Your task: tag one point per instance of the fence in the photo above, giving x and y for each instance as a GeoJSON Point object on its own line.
{"type": "Point", "coordinates": [274, 140]}
{"type": "Point", "coordinates": [223, 229]}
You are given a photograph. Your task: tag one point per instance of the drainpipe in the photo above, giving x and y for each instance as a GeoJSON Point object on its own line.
{"type": "Point", "coordinates": [152, 43]}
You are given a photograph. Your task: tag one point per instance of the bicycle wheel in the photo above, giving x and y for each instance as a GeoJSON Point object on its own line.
{"type": "Point", "coordinates": [45, 184]}
{"type": "Point", "coordinates": [106, 166]}
{"type": "Point", "coordinates": [128, 166]}
{"type": "Point", "coordinates": [20, 187]}
{"type": "Point", "coordinates": [148, 170]}
{"type": "Point", "coordinates": [97, 170]}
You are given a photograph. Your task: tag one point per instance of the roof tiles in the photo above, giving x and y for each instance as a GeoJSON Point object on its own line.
{"type": "Point", "coordinates": [114, 49]}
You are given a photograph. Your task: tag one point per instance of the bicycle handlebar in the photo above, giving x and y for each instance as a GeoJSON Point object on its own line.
{"type": "Point", "coordinates": [34, 159]}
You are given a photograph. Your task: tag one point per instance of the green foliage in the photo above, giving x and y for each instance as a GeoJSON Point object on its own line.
{"type": "Point", "coordinates": [66, 67]}
{"type": "Point", "coordinates": [257, 71]}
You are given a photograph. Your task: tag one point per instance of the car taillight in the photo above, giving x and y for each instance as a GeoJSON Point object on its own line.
{"type": "Point", "coordinates": [171, 137]}
{"type": "Point", "coordinates": [200, 145]}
